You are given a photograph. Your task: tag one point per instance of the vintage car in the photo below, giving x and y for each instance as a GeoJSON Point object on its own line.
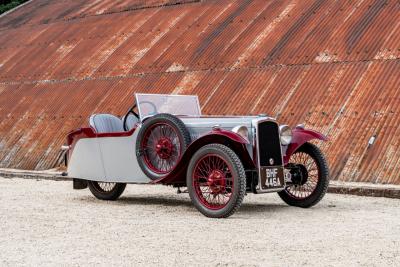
{"type": "Point", "coordinates": [164, 139]}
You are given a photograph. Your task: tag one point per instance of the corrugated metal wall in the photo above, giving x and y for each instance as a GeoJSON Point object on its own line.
{"type": "Point", "coordinates": [333, 65]}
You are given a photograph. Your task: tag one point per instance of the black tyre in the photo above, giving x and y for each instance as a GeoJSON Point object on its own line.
{"type": "Point", "coordinates": [216, 181]}
{"type": "Point", "coordinates": [160, 144]}
{"type": "Point", "coordinates": [106, 191]}
{"type": "Point", "coordinates": [309, 187]}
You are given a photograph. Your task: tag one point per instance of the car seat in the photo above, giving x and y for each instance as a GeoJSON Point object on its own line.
{"type": "Point", "coordinates": [106, 123]}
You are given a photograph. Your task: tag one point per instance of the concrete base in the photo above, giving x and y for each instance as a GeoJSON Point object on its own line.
{"type": "Point", "coordinates": [39, 175]}
{"type": "Point", "coordinates": [365, 189]}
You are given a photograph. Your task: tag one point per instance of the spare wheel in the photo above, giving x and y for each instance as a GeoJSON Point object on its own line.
{"type": "Point", "coordinates": [160, 144]}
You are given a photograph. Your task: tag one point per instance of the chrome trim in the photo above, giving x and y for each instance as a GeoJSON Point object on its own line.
{"type": "Point", "coordinates": [256, 158]}
{"type": "Point", "coordinates": [216, 127]}
{"type": "Point", "coordinates": [237, 129]}
{"type": "Point", "coordinates": [288, 175]}
{"type": "Point", "coordinates": [282, 128]}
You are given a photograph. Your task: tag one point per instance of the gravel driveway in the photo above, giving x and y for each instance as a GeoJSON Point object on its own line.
{"type": "Point", "coordinates": [48, 223]}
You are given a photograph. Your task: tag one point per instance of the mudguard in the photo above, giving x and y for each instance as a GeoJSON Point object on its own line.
{"type": "Point", "coordinates": [219, 136]}
{"type": "Point", "coordinates": [301, 136]}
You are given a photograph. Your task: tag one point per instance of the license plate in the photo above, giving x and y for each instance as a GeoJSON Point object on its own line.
{"type": "Point", "coordinates": [271, 177]}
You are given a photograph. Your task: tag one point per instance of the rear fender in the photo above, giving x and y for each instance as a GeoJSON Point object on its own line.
{"type": "Point", "coordinates": [301, 136]}
{"type": "Point", "coordinates": [228, 138]}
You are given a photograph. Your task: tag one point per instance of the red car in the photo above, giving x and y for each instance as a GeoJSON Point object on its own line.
{"type": "Point", "coordinates": [164, 139]}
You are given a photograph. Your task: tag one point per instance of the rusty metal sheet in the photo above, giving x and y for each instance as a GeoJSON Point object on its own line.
{"type": "Point", "coordinates": [333, 65]}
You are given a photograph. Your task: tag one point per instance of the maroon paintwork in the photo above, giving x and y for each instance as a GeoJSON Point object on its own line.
{"type": "Point", "coordinates": [301, 136]}
{"type": "Point", "coordinates": [88, 132]}
{"type": "Point", "coordinates": [220, 136]}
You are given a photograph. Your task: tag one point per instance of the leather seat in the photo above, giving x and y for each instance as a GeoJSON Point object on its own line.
{"type": "Point", "coordinates": [106, 123]}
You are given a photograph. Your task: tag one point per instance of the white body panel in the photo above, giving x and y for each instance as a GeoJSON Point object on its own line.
{"type": "Point", "coordinates": [86, 160]}
{"type": "Point", "coordinates": [108, 159]}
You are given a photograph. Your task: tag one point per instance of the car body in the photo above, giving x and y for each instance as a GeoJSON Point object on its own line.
{"type": "Point", "coordinates": [159, 141]}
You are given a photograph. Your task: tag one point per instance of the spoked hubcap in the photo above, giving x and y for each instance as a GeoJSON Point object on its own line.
{"type": "Point", "coordinates": [213, 181]}
{"type": "Point", "coordinates": [216, 181]}
{"type": "Point", "coordinates": [106, 187]}
{"type": "Point", "coordinates": [307, 175]}
{"type": "Point", "coordinates": [164, 148]}
{"type": "Point", "coordinates": [161, 148]}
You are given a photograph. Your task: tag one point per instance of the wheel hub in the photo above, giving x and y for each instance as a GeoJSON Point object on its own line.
{"type": "Point", "coordinates": [216, 181]}
{"type": "Point", "coordinates": [164, 148]}
{"type": "Point", "coordinates": [300, 175]}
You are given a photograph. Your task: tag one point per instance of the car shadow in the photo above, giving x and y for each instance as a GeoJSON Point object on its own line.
{"type": "Point", "coordinates": [155, 200]}
{"type": "Point", "coordinates": [259, 208]}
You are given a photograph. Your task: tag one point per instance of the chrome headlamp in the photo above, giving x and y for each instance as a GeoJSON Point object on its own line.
{"type": "Point", "coordinates": [286, 134]}
{"type": "Point", "coordinates": [242, 131]}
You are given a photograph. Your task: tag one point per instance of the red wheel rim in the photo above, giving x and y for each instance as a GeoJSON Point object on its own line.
{"type": "Point", "coordinates": [305, 190]}
{"type": "Point", "coordinates": [213, 181]}
{"type": "Point", "coordinates": [161, 148]}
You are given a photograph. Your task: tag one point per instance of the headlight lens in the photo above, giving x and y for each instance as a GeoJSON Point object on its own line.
{"type": "Point", "coordinates": [242, 131]}
{"type": "Point", "coordinates": [286, 134]}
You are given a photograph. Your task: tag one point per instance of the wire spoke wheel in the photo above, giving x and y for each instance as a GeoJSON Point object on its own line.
{"type": "Point", "coordinates": [106, 190]}
{"type": "Point", "coordinates": [161, 147]}
{"type": "Point", "coordinates": [106, 187]}
{"type": "Point", "coordinates": [216, 181]}
{"type": "Point", "coordinates": [213, 181]}
{"type": "Point", "coordinates": [161, 142]}
{"type": "Point", "coordinates": [310, 177]}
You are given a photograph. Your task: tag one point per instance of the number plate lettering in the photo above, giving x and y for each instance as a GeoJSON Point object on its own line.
{"type": "Point", "coordinates": [271, 177]}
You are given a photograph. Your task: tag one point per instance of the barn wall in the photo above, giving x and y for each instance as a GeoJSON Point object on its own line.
{"type": "Point", "coordinates": [333, 65]}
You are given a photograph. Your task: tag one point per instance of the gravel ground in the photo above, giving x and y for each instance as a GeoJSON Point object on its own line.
{"type": "Point", "coordinates": [48, 223]}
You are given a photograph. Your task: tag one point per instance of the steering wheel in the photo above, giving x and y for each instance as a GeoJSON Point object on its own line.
{"type": "Point", "coordinates": [132, 111]}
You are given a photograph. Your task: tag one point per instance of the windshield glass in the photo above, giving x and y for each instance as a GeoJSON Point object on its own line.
{"type": "Point", "coordinates": [151, 104]}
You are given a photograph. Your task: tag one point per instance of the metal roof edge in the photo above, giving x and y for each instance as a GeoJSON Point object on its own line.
{"type": "Point", "coordinates": [15, 8]}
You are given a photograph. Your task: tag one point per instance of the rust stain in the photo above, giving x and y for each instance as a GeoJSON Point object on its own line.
{"type": "Point", "coordinates": [332, 65]}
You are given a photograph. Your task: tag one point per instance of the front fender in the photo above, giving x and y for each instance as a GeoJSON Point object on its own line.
{"type": "Point", "coordinates": [219, 136]}
{"type": "Point", "coordinates": [301, 136]}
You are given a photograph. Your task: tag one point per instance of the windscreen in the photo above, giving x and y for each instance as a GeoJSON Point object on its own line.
{"type": "Point", "coordinates": [151, 104]}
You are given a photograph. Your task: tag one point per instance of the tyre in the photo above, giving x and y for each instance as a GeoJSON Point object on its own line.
{"type": "Point", "coordinates": [106, 191]}
{"type": "Point", "coordinates": [216, 181]}
{"type": "Point", "coordinates": [160, 144]}
{"type": "Point", "coordinates": [311, 183]}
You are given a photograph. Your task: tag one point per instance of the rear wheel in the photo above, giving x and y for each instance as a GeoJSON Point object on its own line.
{"type": "Point", "coordinates": [160, 144]}
{"type": "Point", "coordinates": [106, 191]}
{"type": "Point", "coordinates": [216, 181]}
{"type": "Point", "coordinates": [310, 179]}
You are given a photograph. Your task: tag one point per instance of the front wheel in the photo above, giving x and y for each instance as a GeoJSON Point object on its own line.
{"type": "Point", "coordinates": [216, 181]}
{"type": "Point", "coordinates": [310, 177]}
{"type": "Point", "coordinates": [106, 191]}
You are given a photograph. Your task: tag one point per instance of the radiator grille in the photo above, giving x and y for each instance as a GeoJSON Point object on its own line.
{"type": "Point", "coordinates": [269, 145]}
